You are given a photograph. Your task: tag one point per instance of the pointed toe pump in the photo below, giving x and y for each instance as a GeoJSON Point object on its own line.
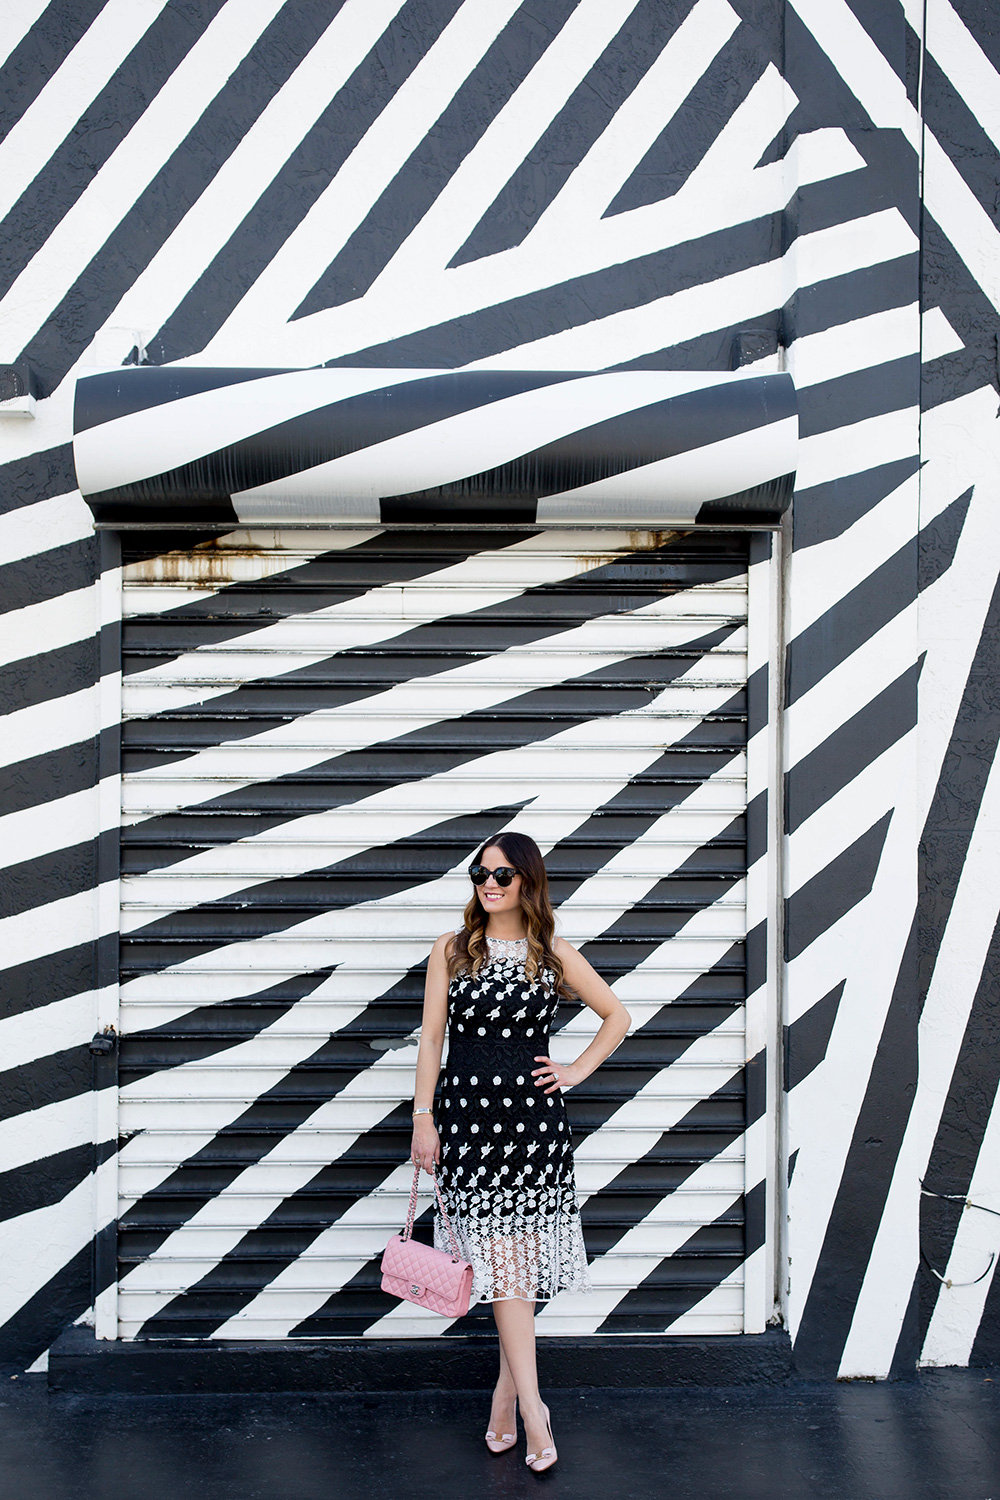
{"type": "Point", "coordinates": [499, 1442]}
{"type": "Point", "coordinates": [539, 1462]}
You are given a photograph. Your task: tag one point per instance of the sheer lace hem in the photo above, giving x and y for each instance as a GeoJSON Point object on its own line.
{"type": "Point", "coordinates": [514, 1258]}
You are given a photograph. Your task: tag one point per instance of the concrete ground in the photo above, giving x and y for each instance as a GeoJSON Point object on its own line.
{"type": "Point", "coordinates": [934, 1438]}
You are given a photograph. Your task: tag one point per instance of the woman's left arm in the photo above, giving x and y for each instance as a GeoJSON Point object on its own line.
{"type": "Point", "coordinates": [615, 1022]}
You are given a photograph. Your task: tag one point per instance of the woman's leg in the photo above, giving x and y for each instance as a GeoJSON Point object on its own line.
{"type": "Point", "coordinates": [502, 1417]}
{"type": "Point", "coordinates": [515, 1320]}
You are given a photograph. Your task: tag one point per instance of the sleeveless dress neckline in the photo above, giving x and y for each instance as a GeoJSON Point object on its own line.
{"type": "Point", "coordinates": [507, 947]}
{"type": "Point", "coordinates": [506, 1171]}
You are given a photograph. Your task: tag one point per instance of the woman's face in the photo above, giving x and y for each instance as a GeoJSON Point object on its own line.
{"type": "Point", "coordinates": [493, 897]}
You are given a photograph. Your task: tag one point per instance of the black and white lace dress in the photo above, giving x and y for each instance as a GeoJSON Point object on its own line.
{"type": "Point", "coordinates": [506, 1158]}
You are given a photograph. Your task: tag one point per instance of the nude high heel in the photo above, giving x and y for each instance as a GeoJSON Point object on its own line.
{"type": "Point", "coordinates": [539, 1462]}
{"type": "Point", "coordinates": [505, 1440]}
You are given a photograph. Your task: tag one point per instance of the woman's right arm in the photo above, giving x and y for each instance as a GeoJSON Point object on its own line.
{"type": "Point", "coordinates": [425, 1148]}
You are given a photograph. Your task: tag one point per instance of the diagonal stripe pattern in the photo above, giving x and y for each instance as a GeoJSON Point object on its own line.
{"type": "Point", "coordinates": [265, 186]}
{"type": "Point", "coordinates": [616, 740]}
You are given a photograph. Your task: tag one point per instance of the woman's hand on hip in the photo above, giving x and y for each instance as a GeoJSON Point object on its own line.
{"type": "Point", "coordinates": [552, 1075]}
{"type": "Point", "coordinates": [425, 1147]}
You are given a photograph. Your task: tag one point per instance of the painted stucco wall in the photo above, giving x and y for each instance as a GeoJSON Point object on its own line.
{"type": "Point", "coordinates": [584, 184]}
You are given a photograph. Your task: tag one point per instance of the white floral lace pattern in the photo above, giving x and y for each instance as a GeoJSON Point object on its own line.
{"type": "Point", "coordinates": [520, 1257]}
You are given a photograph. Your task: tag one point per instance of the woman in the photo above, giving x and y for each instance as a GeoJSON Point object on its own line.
{"type": "Point", "coordinates": [501, 1139]}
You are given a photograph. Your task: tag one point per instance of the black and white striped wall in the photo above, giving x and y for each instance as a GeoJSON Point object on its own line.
{"type": "Point", "coordinates": [389, 260]}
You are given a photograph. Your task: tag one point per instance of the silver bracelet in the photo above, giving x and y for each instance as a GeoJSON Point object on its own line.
{"type": "Point", "coordinates": [422, 1111]}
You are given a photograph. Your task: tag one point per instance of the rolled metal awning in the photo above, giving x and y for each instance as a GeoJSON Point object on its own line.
{"type": "Point", "coordinates": [183, 445]}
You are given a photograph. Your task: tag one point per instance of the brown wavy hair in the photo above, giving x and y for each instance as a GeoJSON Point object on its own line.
{"type": "Point", "coordinates": [467, 950]}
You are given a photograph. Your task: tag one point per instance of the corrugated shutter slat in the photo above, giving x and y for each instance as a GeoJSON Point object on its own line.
{"type": "Point", "coordinates": [313, 746]}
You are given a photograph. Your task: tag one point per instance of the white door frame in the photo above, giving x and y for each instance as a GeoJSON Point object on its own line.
{"type": "Point", "coordinates": [764, 1141]}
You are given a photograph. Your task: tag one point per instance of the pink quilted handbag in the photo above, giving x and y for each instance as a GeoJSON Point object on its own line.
{"type": "Point", "coordinates": [419, 1273]}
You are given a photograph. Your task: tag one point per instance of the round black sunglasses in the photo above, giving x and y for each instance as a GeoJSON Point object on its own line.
{"type": "Point", "coordinates": [503, 874]}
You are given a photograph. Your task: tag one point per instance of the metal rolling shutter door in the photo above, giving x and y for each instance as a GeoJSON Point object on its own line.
{"type": "Point", "coordinates": [314, 744]}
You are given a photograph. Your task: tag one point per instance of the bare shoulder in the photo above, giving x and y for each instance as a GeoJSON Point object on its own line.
{"type": "Point", "coordinates": [577, 969]}
{"type": "Point", "coordinates": [441, 943]}
{"type": "Point", "coordinates": [569, 956]}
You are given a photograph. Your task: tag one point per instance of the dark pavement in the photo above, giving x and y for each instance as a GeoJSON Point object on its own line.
{"type": "Point", "coordinates": [933, 1438]}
